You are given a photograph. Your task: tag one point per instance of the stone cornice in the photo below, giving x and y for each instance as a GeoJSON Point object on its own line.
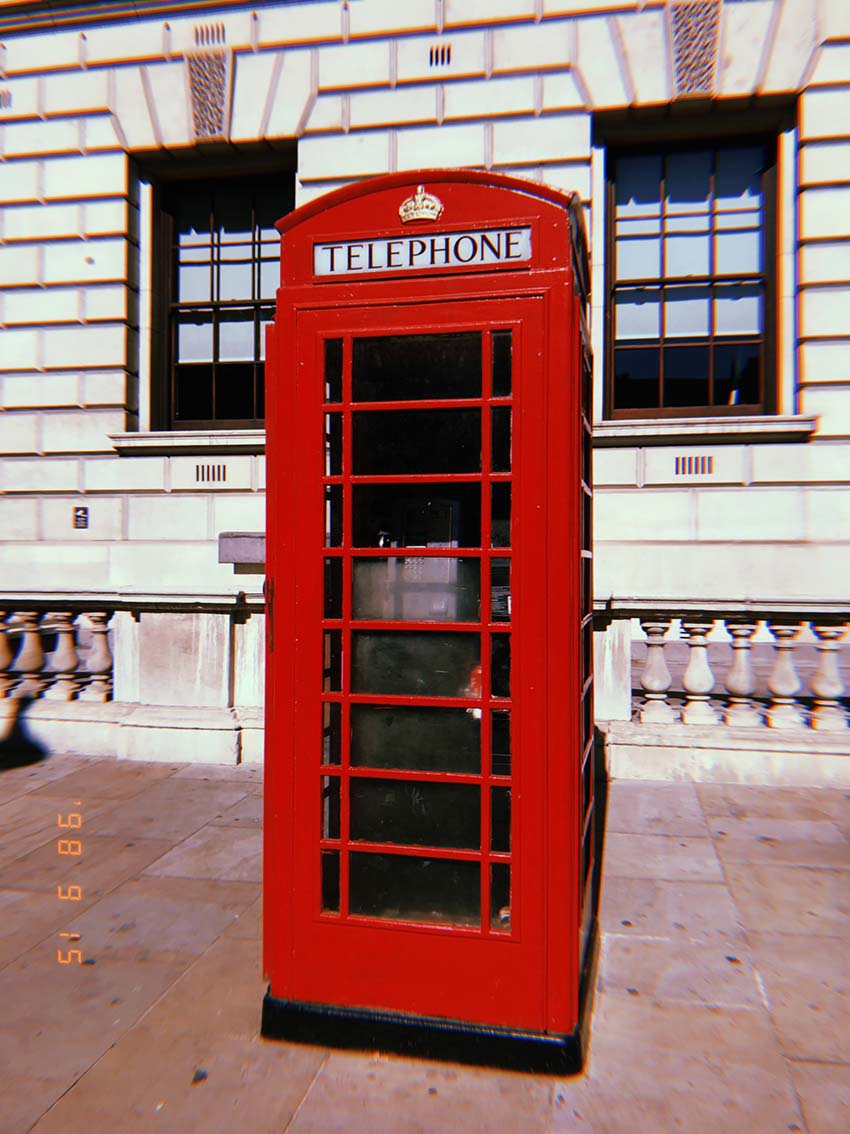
{"type": "Point", "coordinates": [49, 15]}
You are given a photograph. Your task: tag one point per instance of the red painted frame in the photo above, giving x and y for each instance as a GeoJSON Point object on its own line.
{"type": "Point", "coordinates": [528, 979]}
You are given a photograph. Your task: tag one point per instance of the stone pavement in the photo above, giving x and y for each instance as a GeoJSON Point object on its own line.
{"type": "Point", "coordinates": [723, 1001]}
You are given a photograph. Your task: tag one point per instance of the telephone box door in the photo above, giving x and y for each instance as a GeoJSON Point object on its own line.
{"type": "Point", "coordinates": [417, 773]}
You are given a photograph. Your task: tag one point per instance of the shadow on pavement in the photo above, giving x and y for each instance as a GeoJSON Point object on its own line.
{"type": "Point", "coordinates": [17, 747]}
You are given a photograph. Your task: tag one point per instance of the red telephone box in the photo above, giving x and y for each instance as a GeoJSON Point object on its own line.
{"type": "Point", "coordinates": [429, 718]}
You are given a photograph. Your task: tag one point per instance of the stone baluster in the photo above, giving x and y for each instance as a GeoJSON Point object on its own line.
{"type": "Point", "coordinates": [698, 679]}
{"type": "Point", "coordinates": [740, 680]}
{"type": "Point", "coordinates": [64, 660]}
{"type": "Point", "coordinates": [99, 661]}
{"type": "Point", "coordinates": [827, 686]}
{"type": "Point", "coordinates": [6, 656]}
{"type": "Point", "coordinates": [784, 681]}
{"type": "Point", "coordinates": [656, 679]}
{"type": "Point", "coordinates": [30, 659]}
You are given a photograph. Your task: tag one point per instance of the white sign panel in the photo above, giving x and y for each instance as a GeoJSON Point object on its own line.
{"type": "Point", "coordinates": [420, 253]}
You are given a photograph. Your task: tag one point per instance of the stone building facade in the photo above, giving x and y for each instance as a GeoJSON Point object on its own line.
{"type": "Point", "coordinates": [144, 155]}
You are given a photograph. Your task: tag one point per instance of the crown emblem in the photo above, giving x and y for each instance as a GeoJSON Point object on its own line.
{"type": "Point", "coordinates": [421, 206]}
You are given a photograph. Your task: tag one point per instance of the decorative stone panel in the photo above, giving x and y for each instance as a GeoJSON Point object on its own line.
{"type": "Point", "coordinates": [209, 84]}
{"type": "Point", "coordinates": [694, 26]}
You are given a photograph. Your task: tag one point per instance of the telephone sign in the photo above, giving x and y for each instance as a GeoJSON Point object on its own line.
{"type": "Point", "coordinates": [429, 720]}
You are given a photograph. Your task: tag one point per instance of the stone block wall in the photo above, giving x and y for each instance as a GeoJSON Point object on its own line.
{"type": "Point", "coordinates": [366, 87]}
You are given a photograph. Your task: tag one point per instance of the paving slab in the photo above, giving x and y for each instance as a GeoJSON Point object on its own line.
{"type": "Point", "coordinates": [722, 1003]}
{"type": "Point", "coordinates": [824, 1090]}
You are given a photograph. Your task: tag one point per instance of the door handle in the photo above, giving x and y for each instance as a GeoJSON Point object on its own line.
{"type": "Point", "coordinates": [268, 595]}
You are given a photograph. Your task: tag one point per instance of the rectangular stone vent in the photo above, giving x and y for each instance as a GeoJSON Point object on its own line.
{"type": "Point", "coordinates": [440, 55]}
{"type": "Point", "coordinates": [204, 474]}
{"type": "Point", "coordinates": [206, 35]}
{"type": "Point", "coordinates": [694, 466]}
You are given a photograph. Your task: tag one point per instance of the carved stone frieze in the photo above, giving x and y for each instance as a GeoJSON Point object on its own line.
{"type": "Point", "coordinates": [209, 86]}
{"type": "Point", "coordinates": [694, 32]}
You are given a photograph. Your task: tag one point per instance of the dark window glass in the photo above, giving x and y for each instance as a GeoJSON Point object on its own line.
{"type": "Point", "coordinates": [417, 515]}
{"type": "Point", "coordinates": [223, 270]}
{"type": "Point", "coordinates": [689, 289]}
{"type": "Point", "coordinates": [500, 344]}
{"type": "Point", "coordinates": [404, 367]}
{"type": "Point", "coordinates": [426, 663]}
{"type": "Point", "coordinates": [415, 889]}
{"type": "Point", "coordinates": [416, 441]}
{"type": "Point", "coordinates": [412, 813]}
{"type": "Point", "coordinates": [500, 658]}
{"type": "Point", "coordinates": [501, 514]}
{"type": "Point", "coordinates": [501, 742]}
{"type": "Point", "coordinates": [416, 588]}
{"type": "Point", "coordinates": [418, 738]}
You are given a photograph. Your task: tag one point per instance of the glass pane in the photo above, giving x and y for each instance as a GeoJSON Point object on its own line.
{"type": "Point", "coordinates": [737, 253]}
{"type": "Point", "coordinates": [737, 374]}
{"type": "Point", "coordinates": [500, 345]}
{"type": "Point", "coordinates": [266, 315]}
{"type": "Point", "coordinates": [417, 441]}
{"type": "Point", "coordinates": [419, 738]}
{"type": "Point", "coordinates": [333, 515]}
{"type": "Point", "coordinates": [687, 255]}
{"type": "Point", "coordinates": [500, 534]}
{"type": "Point", "coordinates": [417, 515]}
{"type": "Point", "coordinates": [195, 336]}
{"type": "Point", "coordinates": [193, 393]}
{"type": "Point", "coordinates": [332, 661]}
{"type": "Point", "coordinates": [639, 313]}
{"type": "Point", "coordinates": [638, 189]}
{"type": "Point", "coordinates": [330, 881]}
{"type": "Point", "coordinates": [686, 223]}
{"type": "Point", "coordinates": [415, 889]}
{"type": "Point", "coordinates": [686, 311]}
{"type": "Point", "coordinates": [402, 367]}
{"type": "Point", "coordinates": [737, 310]}
{"type": "Point", "coordinates": [269, 278]}
{"type": "Point", "coordinates": [500, 742]}
{"type": "Point", "coordinates": [330, 807]}
{"type": "Point", "coordinates": [737, 183]}
{"type": "Point", "coordinates": [500, 896]}
{"type": "Point", "coordinates": [333, 444]}
{"type": "Point", "coordinates": [500, 458]}
{"type": "Point", "coordinates": [639, 258]}
{"type": "Point", "coordinates": [421, 663]}
{"type": "Point", "coordinates": [416, 814]}
{"type": "Point", "coordinates": [194, 283]}
{"type": "Point", "coordinates": [261, 391]}
{"type": "Point", "coordinates": [641, 226]}
{"type": "Point", "coordinates": [333, 588]}
{"type": "Point", "coordinates": [234, 391]}
{"type": "Point", "coordinates": [236, 335]}
{"type": "Point", "coordinates": [331, 732]}
{"type": "Point", "coordinates": [500, 590]}
{"type": "Point", "coordinates": [417, 588]}
{"type": "Point", "coordinates": [686, 376]}
{"type": "Point", "coordinates": [500, 661]}
{"type": "Point", "coordinates": [725, 221]}
{"type": "Point", "coordinates": [688, 182]}
{"type": "Point", "coordinates": [500, 819]}
{"type": "Point", "coordinates": [234, 280]}
{"type": "Point", "coordinates": [636, 377]}
{"type": "Point", "coordinates": [333, 370]}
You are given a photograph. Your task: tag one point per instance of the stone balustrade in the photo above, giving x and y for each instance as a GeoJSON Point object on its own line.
{"type": "Point", "coordinates": [779, 672]}
{"type": "Point", "coordinates": [55, 655]}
